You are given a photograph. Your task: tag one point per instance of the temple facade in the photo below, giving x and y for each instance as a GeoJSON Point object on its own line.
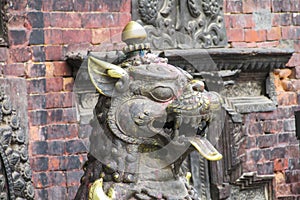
{"type": "Point", "coordinates": [246, 50]}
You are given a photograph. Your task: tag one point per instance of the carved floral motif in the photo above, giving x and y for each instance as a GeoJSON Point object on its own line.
{"type": "Point", "coordinates": [182, 24]}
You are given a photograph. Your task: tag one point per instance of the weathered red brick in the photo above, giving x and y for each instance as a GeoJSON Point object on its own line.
{"type": "Point", "coordinates": [292, 151]}
{"type": "Point", "coordinates": [241, 21]}
{"type": "Point", "coordinates": [36, 102]}
{"type": "Point", "coordinates": [17, 37]}
{"type": "Point", "coordinates": [272, 126]}
{"type": "Point", "coordinates": [40, 164]}
{"type": "Point", "coordinates": [76, 36]}
{"type": "Point", "coordinates": [227, 21]}
{"type": "Point", "coordinates": [16, 69]}
{"type": "Point", "coordinates": [100, 35]}
{"type": "Point", "coordinates": [55, 116]}
{"type": "Point", "coordinates": [38, 53]}
{"type": "Point", "coordinates": [36, 86]}
{"type": "Point", "coordinates": [59, 115]}
{"type": "Point", "coordinates": [70, 162]}
{"type": "Point", "coordinates": [126, 6]}
{"type": "Point", "coordinates": [54, 53]}
{"type": "Point", "coordinates": [20, 54]}
{"type": "Point", "coordinates": [72, 191]}
{"type": "Point", "coordinates": [255, 129]}
{"type": "Point", "coordinates": [80, 48]}
{"type": "Point", "coordinates": [73, 177]}
{"type": "Point", "coordinates": [57, 192]}
{"type": "Point", "coordinates": [58, 178]}
{"type": "Point", "coordinates": [124, 18]}
{"type": "Point", "coordinates": [265, 141]}
{"type": "Point", "coordinates": [59, 100]}
{"type": "Point", "coordinates": [265, 168]}
{"type": "Point", "coordinates": [39, 148]}
{"type": "Point", "coordinates": [292, 176]}
{"type": "Point", "coordinates": [275, 19]}
{"type": "Point", "coordinates": [274, 33]}
{"type": "Point", "coordinates": [295, 5]}
{"type": "Point", "coordinates": [76, 146]}
{"type": "Point", "coordinates": [49, 69]}
{"type": "Point", "coordinates": [38, 117]}
{"type": "Point", "coordinates": [90, 6]}
{"type": "Point", "coordinates": [116, 35]}
{"type": "Point", "coordinates": [41, 193]}
{"type": "Point", "coordinates": [294, 61]}
{"type": "Point", "coordinates": [233, 6]}
{"type": "Point", "coordinates": [283, 190]}
{"type": "Point", "coordinates": [62, 5]}
{"type": "Point", "coordinates": [250, 6]}
{"type": "Point", "coordinates": [235, 35]}
{"type": "Point", "coordinates": [70, 115]}
{"type": "Point", "coordinates": [35, 70]}
{"type": "Point", "coordinates": [280, 164]}
{"type": "Point", "coordinates": [285, 19]}
{"type": "Point", "coordinates": [267, 44]}
{"type": "Point", "coordinates": [56, 147]}
{"type": "Point", "coordinates": [100, 20]}
{"type": "Point", "coordinates": [287, 98]}
{"type": "Point", "coordinates": [288, 32]}
{"type": "Point", "coordinates": [54, 84]}
{"type": "Point", "coordinates": [66, 20]}
{"type": "Point", "coordinates": [62, 69]}
{"type": "Point", "coordinates": [3, 54]}
{"type": "Point", "coordinates": [35, 134]}
{"type": "Point", "coordinates": [255, 35]}
{"type": "Point", "coordinates": [41, 179]}
{"type": "Point", "coordinates": [53, 36]}
{"type": "Point", "coordinates": [243, 44]}
{"type": "Point", "coordinates": [68, 84]}
{"type": "Point", "coordinates": [60, 131]}
{"type": "Point", "coordinates": [54, 163]}
{"type": "Point", "coordinates": [296, 188]}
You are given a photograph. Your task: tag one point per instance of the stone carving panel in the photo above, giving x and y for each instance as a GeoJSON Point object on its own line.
{"type": "Point", "coordinates": [15, 171]}
{"type": "Point", "coordinates": [181, 24]}
{"type": "Point", "coordinates": [3, 21]}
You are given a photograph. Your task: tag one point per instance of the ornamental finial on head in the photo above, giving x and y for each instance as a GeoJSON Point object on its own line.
{"type": "Point", "coordinates": [134, 36]}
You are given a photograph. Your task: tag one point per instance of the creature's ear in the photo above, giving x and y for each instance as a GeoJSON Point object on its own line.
{"type": "Point", "coordinates": [109, 79]}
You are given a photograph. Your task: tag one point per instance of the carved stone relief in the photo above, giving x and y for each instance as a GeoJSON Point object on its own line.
{"type": "Point", "coordinates": [15, 171]}
{"type": "Point", "coordinates": [181, 24]}
{"type": "Point", "coordinates": [3, 22]}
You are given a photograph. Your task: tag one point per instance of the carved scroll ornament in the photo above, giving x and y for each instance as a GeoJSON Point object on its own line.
{"type": "Point", "coordinates": [181, 24]}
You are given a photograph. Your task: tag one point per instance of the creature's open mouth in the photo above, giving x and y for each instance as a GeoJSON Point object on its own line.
{"type": "Point", "coordinates": [167, 131]}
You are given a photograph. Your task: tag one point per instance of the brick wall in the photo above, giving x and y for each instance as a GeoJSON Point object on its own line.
{"type": "Point", "coordinates": [271, 145]}
{"type": "Point", "coordinates": [41, 33]}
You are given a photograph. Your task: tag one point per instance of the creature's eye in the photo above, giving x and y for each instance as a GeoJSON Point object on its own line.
{"type": "Point", "coordinates": [162, 94]}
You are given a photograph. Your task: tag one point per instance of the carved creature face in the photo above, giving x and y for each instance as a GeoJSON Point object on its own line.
{"type": "Point", "coordinates": [150, 101]}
